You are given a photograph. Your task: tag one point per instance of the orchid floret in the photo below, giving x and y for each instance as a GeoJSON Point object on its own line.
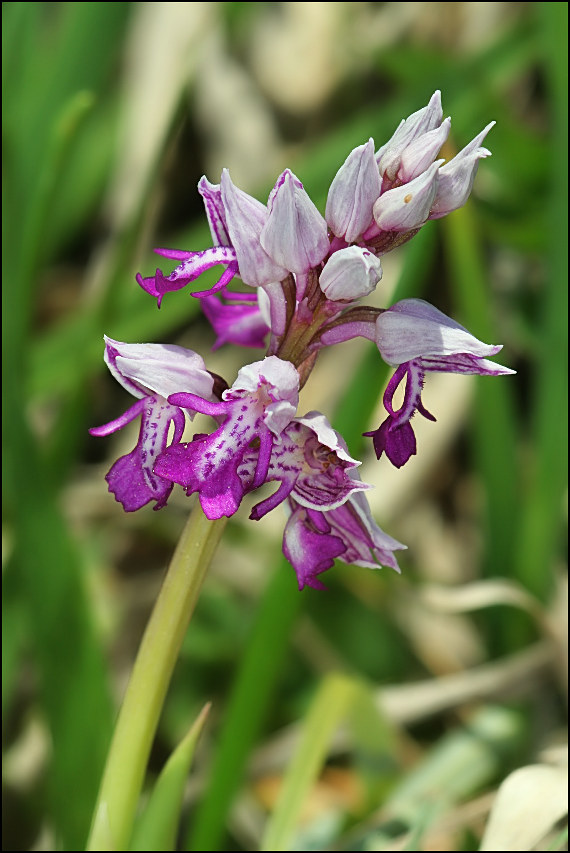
{"type": "Point", "coordinates": [350, 274]}
{"type": "Point", "coordinates": [254, 411]}
{"type": "Point", "coordinates": [389, 156]}
{"type": "Point", "coordinates": [295, 234]}
{"type": "Point", "coordinates": [418, 338]}
{"type": "Point", "coordinates": [246, 217]}
{"type": "Point", "coordinates": [353, 192]}
{"type": "Point", "coordinates": [312, 539]}
{"type": "Point", "coordinates": [407, 207]}
{"type": "Point", "coordinates": [151, 372]}
{"type": "Point", "coordinates": [455, 180]}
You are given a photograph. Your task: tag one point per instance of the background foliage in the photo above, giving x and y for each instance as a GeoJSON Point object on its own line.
{"type": "Point", "coordinates": [384, 713]}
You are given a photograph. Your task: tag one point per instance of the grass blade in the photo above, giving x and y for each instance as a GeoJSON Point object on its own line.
{"type": "Point", "coordinates": [157, 827]}
{"type": "Point", "coordinates": [327, 709]}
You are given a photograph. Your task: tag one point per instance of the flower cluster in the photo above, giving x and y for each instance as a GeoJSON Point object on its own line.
{"type": "Point", "coordinates": [306, 273]}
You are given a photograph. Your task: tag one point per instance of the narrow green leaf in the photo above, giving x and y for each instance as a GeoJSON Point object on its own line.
{"type": "Point", "coordinates": [20, 26]}
{"type": "Point", "coordinates": [74, 690]}
{"type": "Point", "coordinates": [542, 522]}
{"type": "Point", "coordinates": [373, 733]}
{"type": "Point", "coordinates": [327, 709]}
{"type": "Point", "coordinates": [14, 629]}
{"type": "Point", "coordinates": [494, 419]}
{"type": "Point", "coordinates": [62, 136]}
{"type": "Point", "coordinates": [157, 826]}
{"type": "Point", "coordinates": [247, 707]}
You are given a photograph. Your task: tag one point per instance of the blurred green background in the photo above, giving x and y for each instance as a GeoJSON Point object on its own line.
{"type": "Point", "coordinates": [111, 113]}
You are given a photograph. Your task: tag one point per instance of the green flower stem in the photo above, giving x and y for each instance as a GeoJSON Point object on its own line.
{"type": "Point", "coordinates": [140, 712]}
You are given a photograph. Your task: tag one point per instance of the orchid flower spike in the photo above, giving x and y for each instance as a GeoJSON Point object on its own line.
{"type": "Point", "coordinates": [302, 278]}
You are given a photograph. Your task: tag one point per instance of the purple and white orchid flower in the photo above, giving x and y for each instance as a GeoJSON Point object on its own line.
{"type": "Point", "coordinates": [151, 372]}
{"type": "Point", "coordinates": [254, 412]}
{"type": "Point", "coordinates": [236, 221]}
{"type": "Point", "coordinates": [312, 539]}
{"type": "Point", "coordinates": [311, 463]}
{"type": "Point", "coordinates": [417, 338]}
